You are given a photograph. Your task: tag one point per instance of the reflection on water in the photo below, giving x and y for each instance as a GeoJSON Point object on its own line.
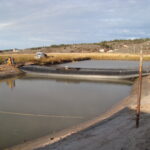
{"type": "Point", "coordinates": [77, 81]}
{"type": "Point", "coordinates": [9, 82]}
{"type": "Point", "coordinates": [37, 107]}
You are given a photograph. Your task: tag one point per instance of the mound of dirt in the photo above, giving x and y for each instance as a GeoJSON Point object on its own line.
{"type": "Point", "coordinates": [7, 71]}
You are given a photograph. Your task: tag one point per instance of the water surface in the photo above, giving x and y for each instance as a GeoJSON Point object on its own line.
{"type": "Point", "coordinates": [109, 64]}
{"type": "Point", "coordinates": [34, 107]}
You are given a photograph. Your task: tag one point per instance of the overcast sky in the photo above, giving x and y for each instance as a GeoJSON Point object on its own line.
{"type": "Point", "coordinates": [30, 23]}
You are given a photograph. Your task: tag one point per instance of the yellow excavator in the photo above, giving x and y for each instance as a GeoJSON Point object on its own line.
{"type": "Point", "coordinates": [10, 61]}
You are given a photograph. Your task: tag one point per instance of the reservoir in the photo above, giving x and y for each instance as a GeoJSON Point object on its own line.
{"type": "Point", "coordinates": [32, 107]}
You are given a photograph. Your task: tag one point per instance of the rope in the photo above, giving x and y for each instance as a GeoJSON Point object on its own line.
{"type": "Point", "coordinates": [39, 115]}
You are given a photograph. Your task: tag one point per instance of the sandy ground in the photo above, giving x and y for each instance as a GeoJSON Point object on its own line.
{"type": "Point", "coordinates": [117, 132]}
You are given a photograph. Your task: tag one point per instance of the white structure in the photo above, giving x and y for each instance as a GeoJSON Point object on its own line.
{"type": "Point", "coordinates": [101, 50]}
{"type": "Point", "coordinates": [15, 50]}
{"type": "Point", "coordinates": [39, 55]}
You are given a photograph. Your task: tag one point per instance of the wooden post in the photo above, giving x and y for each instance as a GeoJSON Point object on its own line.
{"type": "Point", "coordinates": [139, 90]}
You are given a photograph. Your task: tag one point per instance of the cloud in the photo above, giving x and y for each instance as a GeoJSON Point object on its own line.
{"type": "Point", "coordinates": [28, 23]}
{"type": "Point", "coordinates": [41, 40]}
{"type": "Point", "coordinates": [5, 25]}
{"type": "Point", "coordinates": [133, 1]}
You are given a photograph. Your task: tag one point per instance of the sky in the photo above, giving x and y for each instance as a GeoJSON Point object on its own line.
{"type": "Point", "coordinates": [33, 23]}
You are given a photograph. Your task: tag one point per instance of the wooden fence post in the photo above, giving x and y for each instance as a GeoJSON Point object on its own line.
{"type": "Point", "coordinates": [139, 90]}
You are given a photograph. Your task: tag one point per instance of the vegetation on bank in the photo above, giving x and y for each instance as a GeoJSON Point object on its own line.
{"type": "Point", "coordinates": [108, 50]}
{"type": "Point", "coordinates": [57, 58]}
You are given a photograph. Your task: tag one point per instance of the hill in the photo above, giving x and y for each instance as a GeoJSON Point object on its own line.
{"type": "Point", "coordinates": [116, 46]}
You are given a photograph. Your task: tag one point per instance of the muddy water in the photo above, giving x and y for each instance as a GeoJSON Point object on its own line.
{"type": "Point", "coordinates": [31, 108]}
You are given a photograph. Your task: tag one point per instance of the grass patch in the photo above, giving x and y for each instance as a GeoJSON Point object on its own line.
{"type": "Point", "coordinates": [57, 58]}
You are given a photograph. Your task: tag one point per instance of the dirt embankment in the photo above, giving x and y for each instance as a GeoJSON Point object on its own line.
{"type": "Point", "coordinates": [7, 71]}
